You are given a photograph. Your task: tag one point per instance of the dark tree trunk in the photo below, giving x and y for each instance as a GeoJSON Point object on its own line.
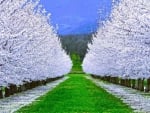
{"type": "Point", "coordinates": [13, 89]}
{"type": "Point", "coordinates": [140, 84]}
{"type": "Point", "coordinates": [44, 82]}
{"type": "Point", "coordinates": [115, 80]}
{"type": "Point", "coordinates": [126, 82]}
{"type": "Point", "coordinates": [105, 78]}
{"type": "Point", "coordinates": [129, 82]}
{"type": "Point", "coordinates": [23, 88]}
{"type": "Point", "coordinates": [148, 85]}
{"type": "Point", "coordinates": [27, 85]}
{"type": "Point", "coordinates": [7, 92]}
{"type": "Point", "coordinates": [1, 94]}
{"type": "Point", "coordinates": [121, 81]}
{"type": "Point", "coordinates": [111, 79]}
{"type": "Point", "coordinates": [108, 78]}
{"type": "Point", "coordinates": [133, 84]}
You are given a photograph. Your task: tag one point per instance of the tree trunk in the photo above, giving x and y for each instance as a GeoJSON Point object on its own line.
{"type": "Point", "coordinates": [124, 82]}
{"type": "Point", "coordinates": [129, 82]}
{"type": "Point", "coordinates": [133, 84]}
{"type": "Point", "coordinates": [18, 89]}
{"type": "Point", "coordinates": [108, 79]}
{"type": "Point", "coordinates": [148, 85]}
{"type": "Point", "coordinates": [44, 82]}
{"type": "Point", "coordinates": [13, 89]}
{"type": "Point", "coordinates": [23, 88]}
{"type": "Point", "coordinates": [27, 85]}
{"type": "Point", "coordinates": [1, 94]}
{"type": "Point", "coordinates": [105, 78]}
{"type": "Point", "coordinates": [116, 80]}
{"type": "Point", "coordinates": [32, 84]}
{"type": "Point", "coordinates": [136, 84]}
{"type": "Point", "coordinates": [111, 79]}
{"type": "Point", "coordinates": [7, 92]}
{"type": "Point", "coordinates": [121, 82]}
{"type": "Point", "coordinates": [140, 84]}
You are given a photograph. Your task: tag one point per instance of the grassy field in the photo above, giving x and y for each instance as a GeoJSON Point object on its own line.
{"type": "Point", "coordinates": [77, 95]}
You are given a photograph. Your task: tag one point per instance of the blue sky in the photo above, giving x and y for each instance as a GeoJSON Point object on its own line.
{"type": "Point", "coordinates": [77, 16]}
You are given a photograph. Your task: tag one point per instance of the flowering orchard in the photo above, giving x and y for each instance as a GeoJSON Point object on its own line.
{"type": "Point", "coordinates": [120, 52]}
{"type": "Point", "coordinates": [30, 51]}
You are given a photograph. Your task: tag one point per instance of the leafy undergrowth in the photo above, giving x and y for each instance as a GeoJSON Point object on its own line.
{"type": "Point", "coordinates": [77, 95]}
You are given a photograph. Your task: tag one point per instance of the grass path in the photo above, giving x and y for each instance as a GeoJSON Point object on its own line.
{"type": "Point", "coordinates": [77, 95]}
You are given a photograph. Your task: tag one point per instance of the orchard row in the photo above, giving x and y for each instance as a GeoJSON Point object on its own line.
{"type": "Point", "coordinates": [30, 51]}
{"type": "Point", "coordinates": [121, 47]}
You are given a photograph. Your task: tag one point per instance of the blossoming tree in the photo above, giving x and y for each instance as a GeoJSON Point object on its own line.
{"type": "Point", "coordinates": [121, 47]}
{"type": "Point", "coordinates": [30, 50]}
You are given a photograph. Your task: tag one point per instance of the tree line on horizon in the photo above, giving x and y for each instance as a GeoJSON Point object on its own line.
{"type": "Point", "coordinates": [76, 44]}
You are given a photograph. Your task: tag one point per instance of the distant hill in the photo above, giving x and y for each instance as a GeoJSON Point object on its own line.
{"type": "Point", "coordinates": [82, 28]}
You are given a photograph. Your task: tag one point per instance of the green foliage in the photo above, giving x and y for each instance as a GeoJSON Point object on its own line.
{"type": "Point", "coordinates": [77, 95]}
{"type": "Point", "coordinates": [76, 44]}
{"type": "Point", "coordinates": [77, 68]}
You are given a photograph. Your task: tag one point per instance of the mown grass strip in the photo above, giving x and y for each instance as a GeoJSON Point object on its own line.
{"type": "Point", "coordinates": [77, 95]}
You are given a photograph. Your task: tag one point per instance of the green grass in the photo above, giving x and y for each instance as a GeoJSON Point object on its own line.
{"type": "Point", "coordinates": [77, 68]}
{"type": "Point", "coordinates": [77, 95]}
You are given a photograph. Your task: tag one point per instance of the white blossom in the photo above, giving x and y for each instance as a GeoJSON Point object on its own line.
{"type": "Point", "coordinates": [29, 47]}
{"type": "Point", "coordinates": [122, 45]}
